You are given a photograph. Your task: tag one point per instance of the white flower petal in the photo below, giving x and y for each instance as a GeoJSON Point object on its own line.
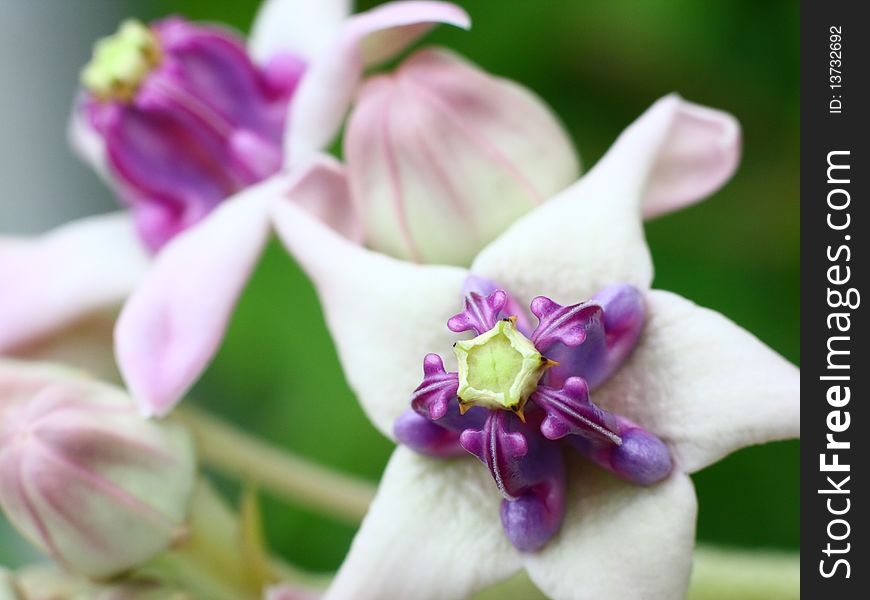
{"type": "Point", "coordinates": [700, 154]}
{"type": "Point", "coordinates": [432, 532]}
{"type": "Point", "coordinates": [325, 92]}
{"type": "Point", "coordinates": [173, 324]}
{"type": "Point", "coordinates": [619, 540]}
{"type": "Point", "coordinates": [703, 384]}
{"type": "Point", "coordinates": [53, 281]}
{"type": "Point", "coordinates": [591, 234]}
{"type": "Point", "coordinates": [385, 315]}
{"type": "Point", "coordinates": [302, 27]}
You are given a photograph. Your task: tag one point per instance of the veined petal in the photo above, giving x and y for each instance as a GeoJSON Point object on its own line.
{"type": "Point", "coordinates": [700, 154]}
{"type": "Point", "coordinates": [619, 540]}
{"type": "Point", "coordinates": [432, 532]}
{"type": "Point", "coordinates": [326, 90]}
{"type": "Point", "coordinates": [703, 384]}
{"type": "Point", "coordinates": [298, 26]}
{"type": "Point", "coordinates": [173, 323]}
{"type": "Point", "coordinates": [71, 273]}
{"type": "Point", "coordinates": [384, 314]}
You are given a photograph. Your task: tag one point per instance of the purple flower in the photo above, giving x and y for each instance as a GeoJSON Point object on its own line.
{"type": "Point", "coordinates": [200, 136]}
{"type": "Point", "coordinates": [682, 375]}
{"type": "Point", "coordinates": [186, 118]}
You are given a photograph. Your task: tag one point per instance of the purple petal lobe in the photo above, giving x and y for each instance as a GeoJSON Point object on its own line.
{"type": "Point", "coordinates": [432, 397]}
{"type": "Point", "coordinates": [624, 318]}
{"type": "Point", "coordinates": [481, 313]}
{"type": "Point", "coordinates": [567, 325]}
{"type": "Point", "coordinates": [422, 435]}
{"type": "Point", "coordinates": [534, 518]}
{"type": "Point", "coordinates": [641, 458]}
{"type": "Point", "coordinates": [571, 412]}
{"type": "Point", "coordinates": [485, 287]}
{"type": "Point", "coordinates": [607, 344]}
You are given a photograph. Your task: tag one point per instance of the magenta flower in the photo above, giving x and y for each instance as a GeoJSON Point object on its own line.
{"type": "Point", "coordinates": [183, 121]}
{"type": "Point", "coordinates": [649, 386]}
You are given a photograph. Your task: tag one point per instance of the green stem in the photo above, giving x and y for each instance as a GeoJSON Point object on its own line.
{"type": "Point", "coordinates": [717, 574]}
{"type": "Point", "coordinates": [237, 454]}
{"type": "Point", "coordinates": [721, 574]}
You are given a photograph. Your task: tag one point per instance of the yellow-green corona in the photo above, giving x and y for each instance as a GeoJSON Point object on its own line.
{"type": "Point", "coordinates": [121, 61]}
{"type": "Point", "coordinates": [499, 369]}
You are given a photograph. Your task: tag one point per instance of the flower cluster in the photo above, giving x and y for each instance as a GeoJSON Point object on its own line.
{"type": "Point", "coordinates": [588, 410]}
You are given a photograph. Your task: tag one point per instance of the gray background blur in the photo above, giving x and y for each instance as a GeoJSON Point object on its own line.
{"type": "Point", "coordinates": [43, 45]}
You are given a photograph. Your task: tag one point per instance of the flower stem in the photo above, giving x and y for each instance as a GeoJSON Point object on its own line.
{"type": "Point", "coordinates": [717, 574]}
{"type": "Point", "coordinates": [237, 454]}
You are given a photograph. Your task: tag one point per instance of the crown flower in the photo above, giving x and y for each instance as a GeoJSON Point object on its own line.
{"type": "Point", "coordinates": [590, 494]}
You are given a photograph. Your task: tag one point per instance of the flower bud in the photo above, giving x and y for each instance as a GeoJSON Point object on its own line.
{"type": "Point", "coordinates": [186, 118]}
{"type": "Point", "coordinates": [442, 157]}
{"type": "Point", "coordinates": [89, 481]}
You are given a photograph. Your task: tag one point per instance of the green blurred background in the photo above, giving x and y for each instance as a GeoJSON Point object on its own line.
{"type": "Point", "coordinates": [599, 64]}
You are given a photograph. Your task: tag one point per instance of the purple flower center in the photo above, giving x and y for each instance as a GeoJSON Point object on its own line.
{"type": "Point", "coordinates": [188, 119]}
{"type": "Point", "coordinates": [515, 408]}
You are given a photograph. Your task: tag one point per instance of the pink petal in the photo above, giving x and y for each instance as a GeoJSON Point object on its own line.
{"type": "Point", "coordinates": [174, 322]}
{"type": "Point", "coordinates": [703, 384]}
{"type": "Point", "coordinates": [54, 281]}
{"type": "Point", "coordinates": [322, 190]}
{"type": "Point", "coordinates": [432, 532]}
{"type": "Point", "coordinates": [619, 540]}
{"type": "Point", "coordinates": [327, 89]}
{"type": "Point", "coordinates": [301, 27]}
{"type": "Point", "coordinates": [699, 154]}
{"type": "Point", "coordinates": [384, 314]}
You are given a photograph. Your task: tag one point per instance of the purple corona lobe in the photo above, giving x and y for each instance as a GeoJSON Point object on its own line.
{"type": "Point", "coordinates": [520, 444]}
{"type": "Point", "coordinates": [203, 122]}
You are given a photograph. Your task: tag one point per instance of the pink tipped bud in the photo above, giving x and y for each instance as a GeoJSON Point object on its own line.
{"type": "Point", "coordinates": [84, 477]}
{"type": "Point", "coordinates": [442, 157]}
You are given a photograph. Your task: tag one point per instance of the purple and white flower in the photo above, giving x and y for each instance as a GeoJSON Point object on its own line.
{"type": "Point", "coordinates": [683, 376]}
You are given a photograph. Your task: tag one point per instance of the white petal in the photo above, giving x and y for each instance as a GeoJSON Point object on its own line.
{"type": "Point", "coordinates": [703, 384]}
{"type": "Point", "coordinates": [699, 155]}
{"type": "Point", "coordinates": [302, 27]}
{"type": "Point", "coordinates": [591, 234]}
{"type": "Point", "coordinates": [53, 281]}
{"type": "Point", "coordinates": [385, 315]}
{"type": "Point", "coordinates": [432, 532]}
{"type": "Point", "coordinates": [619, 540]}
{"type": "Point", "coordinates": [174, 322]}
{"type": "Point", "coordinates": [326, 89]}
